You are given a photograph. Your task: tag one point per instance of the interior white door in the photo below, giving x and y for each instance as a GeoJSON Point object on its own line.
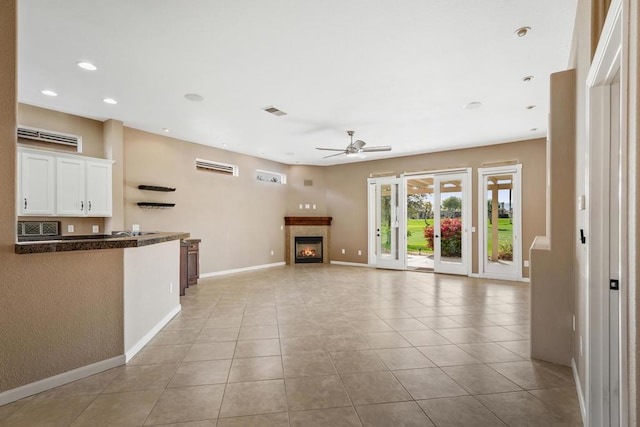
{"type": "Point", "coordinates": [390, 244]}
{"type": "Point", "coordinates": [499, 222]}
{"type": "Point", "coordinates": [450, 228]}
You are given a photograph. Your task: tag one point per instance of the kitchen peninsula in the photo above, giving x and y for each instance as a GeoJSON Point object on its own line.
{"type": "Point", "coordinates": [143, 275]}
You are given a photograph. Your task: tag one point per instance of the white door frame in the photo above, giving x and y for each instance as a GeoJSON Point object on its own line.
{"type": "Point", "coordinates": [516, 170]}
{"type": "Point", "coordinates": [609, 59]}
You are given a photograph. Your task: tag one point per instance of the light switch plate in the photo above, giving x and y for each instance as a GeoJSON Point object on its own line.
{"type": "Point", "coordinates": [96, 228]}
{"type": "Point", "coordinates": [135, 227]}
{"type": "Point", "coordinates": [70, 228]}
{"type": "Point", "coordinates": [307, 206]}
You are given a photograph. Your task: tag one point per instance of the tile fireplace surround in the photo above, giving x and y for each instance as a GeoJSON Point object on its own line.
{"type": "Point", "coordinates": [300, 226]}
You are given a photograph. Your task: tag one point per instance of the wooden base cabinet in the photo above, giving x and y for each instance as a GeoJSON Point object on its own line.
{"type": "Point", "coordinates": [189, 263]}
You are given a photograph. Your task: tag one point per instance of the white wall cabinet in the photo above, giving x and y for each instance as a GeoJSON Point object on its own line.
{"type": "Point", "coordinates": [36, 175]}
{"type": "Point", "coordinates": [98, 189]}
{"type": "Point", "coordinates": [60, 184]}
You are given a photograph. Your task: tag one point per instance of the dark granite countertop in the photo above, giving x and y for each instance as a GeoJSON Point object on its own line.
{"type": "Point", "coordinates": [87, 243]}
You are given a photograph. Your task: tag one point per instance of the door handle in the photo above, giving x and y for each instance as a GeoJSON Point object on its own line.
{"type": "Point", "coordinates": [89, 204]}
{"type": "Point", "coordinates": [436, 236]}
{"type": "Point", "coordinates": [25, 203]}
{"type": "Point", "coordinates": [81, 205]}
{"type": "Point", "coordinates": [378, 232]}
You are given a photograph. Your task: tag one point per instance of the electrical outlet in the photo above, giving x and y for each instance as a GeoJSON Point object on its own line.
{"type": "Point", "coordinates": [281, 227]}
{"type": "Point", "coordinates": [344, 251]}
{"type": "Point", "coordinates": [359, 252]}
{"type": "Point", "coordinates": [171, 287]}
{"type": "Point", "coordinates": [526, 263]}
{"type": "Point", "coordinates": [300, 206]}
{"type": "Point", "coordinates": [135, 227]}
{"type": "Point", "coordinates": [96, 228]}
{"type": "Point", "coordinates": [473, 229]}
{"type": "Point", "coordinates": [70, 228]}
{"type": "Point", "coordinates": [307, 206]}
{"type": "Point", "coordinates": [314, 206]}
{"type": "Point", "coordinates": [271, 253]}
{"type": "Point", "coordinates": [574, 323]}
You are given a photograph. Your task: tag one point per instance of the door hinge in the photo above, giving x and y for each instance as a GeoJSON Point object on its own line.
{"type": "Point", "coordinates": [614, 285]}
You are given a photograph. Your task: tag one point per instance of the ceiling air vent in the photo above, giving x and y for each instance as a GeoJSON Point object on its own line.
{"type": "Point", "coordinates": [223, 168]}
{"type": "Point", "coordinates": [25, 132]}
{"type": "Point", "coordinates": [273, 110]}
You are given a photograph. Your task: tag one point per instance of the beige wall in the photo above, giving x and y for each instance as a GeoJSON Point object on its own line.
{"type": "Point", "coordinates": [552, 275]}
{"type": "Point", "coordinates": [347, 191]}
{"type": "Point", "coordinates": [239, 219]}
{"type": "Point", "coordinates": [74, 300]}
{"type": "Point", "coordinates": [299, 194]}
{"type": "Point", "coordinates": [582, 62]}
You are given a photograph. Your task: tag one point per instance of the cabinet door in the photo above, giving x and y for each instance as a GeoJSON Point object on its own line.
{"type": "Point", "coordinates": [98, 189]}
{"type": "Point", "coordinates": [36, 184]}
{"type": "Point", "coordinates": [70, 188]}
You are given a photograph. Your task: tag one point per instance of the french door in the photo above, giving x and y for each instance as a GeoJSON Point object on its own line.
{"type": "Point", "coordinates": [451, 223]}
{"type": "Point", "coordinates": [390, 247]}
{"type": "Point", "coordinates": [499, 222]}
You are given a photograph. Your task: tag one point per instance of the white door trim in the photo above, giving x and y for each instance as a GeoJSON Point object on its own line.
{"type": "Point", "coordinates": [516, 170]}
{"type": "Point", "coordinates": [610, 57]}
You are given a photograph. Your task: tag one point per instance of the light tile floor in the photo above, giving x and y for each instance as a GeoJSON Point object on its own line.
{"type": "Point", "coordinates": [327, 346]}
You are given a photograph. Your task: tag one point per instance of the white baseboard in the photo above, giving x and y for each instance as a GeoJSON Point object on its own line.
{"type": "Point", "coordinates": [152, 333]}
{"type": "Point", "coordinates": [498, 277]}
{"type": "Point", "coordinates": [576, 380]}
{"type": "Point", "coordinates": [352, 264]}
{"type": "Point", "coordinates": [60, 379]}
{"type": "Point", "coordinates": [240, 270]}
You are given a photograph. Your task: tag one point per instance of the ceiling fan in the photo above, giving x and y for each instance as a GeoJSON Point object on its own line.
{"type": "Point", "coordinates": [355, 149]}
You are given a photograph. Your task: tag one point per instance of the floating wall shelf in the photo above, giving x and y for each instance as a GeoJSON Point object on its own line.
{"type": "Point", "coordinates": [155, 188]}
{"type": "Point", "coordinates": [155, 205]}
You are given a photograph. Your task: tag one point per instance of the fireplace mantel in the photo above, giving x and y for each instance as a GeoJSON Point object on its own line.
{"type": "Point", "coordinates": [307, 220]}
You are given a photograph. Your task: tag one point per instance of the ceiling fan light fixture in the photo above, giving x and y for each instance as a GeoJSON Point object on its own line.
{"type": "Point", "coordinates": [522, 31]}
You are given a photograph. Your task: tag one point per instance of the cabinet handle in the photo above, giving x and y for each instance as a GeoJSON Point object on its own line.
{"type": "Point", "coordinates": [81, 205]}
{"type": "Point", "coordinates": [25, 203]}
{"type": "Point", "coordinates": [89, 204]}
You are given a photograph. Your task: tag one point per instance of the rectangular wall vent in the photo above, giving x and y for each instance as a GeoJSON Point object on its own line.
{"type": "Point", "coordinates": [223, 168]}
{"type": "Point", "coordinates": [26, 132]}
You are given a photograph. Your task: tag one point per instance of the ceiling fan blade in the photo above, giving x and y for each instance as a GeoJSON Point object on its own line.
{"type": "Point", "coordinates": [379, 148]}
{"type": "Point", "coordinates": [330, 149]}
{"type": "Point", "coordinates": [333, 155]}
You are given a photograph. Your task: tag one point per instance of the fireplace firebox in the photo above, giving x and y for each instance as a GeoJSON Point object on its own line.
{"type": "Point", "coordinates": [308, 249]}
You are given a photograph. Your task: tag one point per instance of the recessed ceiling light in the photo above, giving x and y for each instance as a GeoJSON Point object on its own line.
{"type": "Point", "coordinates": [48, 92]}
{"type": "Point", "coordinates": [527, 79]}
{"type": "Point", "coordinates": [224, 145]}
{"type": "Point", "coordinates": [522, 31]}
{"type": "Point", "coordinates": [473, 105]}
{"type": "Point", "coordinates": [530, 107]}
{"type": "Point", "coordinates": [109, 101]}
{"type": "Point", "coordinates": [194, 97]}
{"type": "Point", "coordinates": [165, 129]}
{"type": "Point", "coordinates": [86, 66]}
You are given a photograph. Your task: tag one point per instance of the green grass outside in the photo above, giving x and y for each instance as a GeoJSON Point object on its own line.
{"type": "Point", "coordinates": [505, 233]}
{"type": "Point", "coordinates": [415, 236]}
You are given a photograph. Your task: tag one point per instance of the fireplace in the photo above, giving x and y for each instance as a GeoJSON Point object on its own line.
{"type": "Point", "coordinates": [308, 249]}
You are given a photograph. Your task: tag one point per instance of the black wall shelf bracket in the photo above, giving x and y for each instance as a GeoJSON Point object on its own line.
{"type": "Point", "coordinates": [155, 188]}
{"type": "Point", "coordinates": [155, 205]}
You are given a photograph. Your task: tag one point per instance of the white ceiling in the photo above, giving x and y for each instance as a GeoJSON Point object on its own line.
{"type": "Point", "coordinates": [398, 72]}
